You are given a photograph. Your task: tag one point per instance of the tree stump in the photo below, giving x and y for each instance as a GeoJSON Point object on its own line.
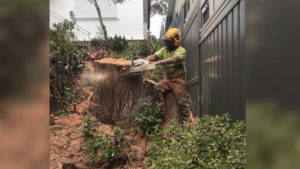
{"type": "Point", "coordinates": [116, 97]}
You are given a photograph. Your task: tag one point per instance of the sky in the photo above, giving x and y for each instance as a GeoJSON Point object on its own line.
{"type": "Point", "coordinates": [155, 25]}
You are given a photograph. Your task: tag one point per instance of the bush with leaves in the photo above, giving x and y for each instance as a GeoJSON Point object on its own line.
{"type": "Point", "coordinates": [100, 43]}
{"type": "Point", "coordinates": [118, 43]}
{"type": "Point", "coordinates": [101, 148]}
{"type": "Point", "coordinates": [119, 47]}
{"type": "Point", "coordinates": [148, 117]}
{"type": "Point", "coordinates": [214, 143]}
{"type": "Point", "coordinates": [86, 127]}
{"type": "Point", "coordinates": [143, 48]}
{"type": "Point", "coordinates": [66, 63]}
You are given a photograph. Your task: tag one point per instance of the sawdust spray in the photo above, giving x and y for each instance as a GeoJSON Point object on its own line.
{"type": "Point", "coordinates": [94, 77]}
{"type": "Point", "coordinates": [91, 78]}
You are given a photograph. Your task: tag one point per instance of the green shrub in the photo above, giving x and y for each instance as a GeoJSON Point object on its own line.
{"type": "Point", "coordinates": [142, 48]}
{"type": "Point", "coordinates": [100, 43]}
{"type": "Point", "coordinates": [118, 43]}
{"type": "Point", "coordinates": [148, 117]}
{"type": "Point", "coordinates": [86, 126]}
{"type": "Point", "coordinates": [66, 64]}
{"type": "Point", "coordinates": [149, 46]}
{"type": "Point", "coordinates": [100, 148]}
{"type": "Point", "coordinates": [118, 133]}
{"type": "Point", "coordinates": [214, 143]}
{"type": "Point", "coordinates": [131, 48]}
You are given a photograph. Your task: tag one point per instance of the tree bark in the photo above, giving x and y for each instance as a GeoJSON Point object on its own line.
{"type": "Point", "coordinates": [100, 19]}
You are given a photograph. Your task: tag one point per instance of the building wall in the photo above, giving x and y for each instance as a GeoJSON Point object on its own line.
{"type": "Point", "coordinates": [222, 61]}
{"type": "Point", "coordinates": [213, 6]}
{"type": "Point", "coordinates": [215, 56]}
{"type": "Point", "coordinates": [178, 5]}
{"type": "Point", "coordinates": [62, 7]}
{"type": "Point", "coordinates": [120, 19]}
{"type": "Point", "coordinates": [192, 7]}
{"type": "Point", "coordinates": [128, 22]}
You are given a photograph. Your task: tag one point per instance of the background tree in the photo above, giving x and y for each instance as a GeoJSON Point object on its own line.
{"type": "Point", "coordinates": [157, 7]}
{"type": "Point", "coordinates": [100, 15]}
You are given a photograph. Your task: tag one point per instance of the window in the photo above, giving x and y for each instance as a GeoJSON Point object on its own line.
{"type": "Point", "coordinates": [205, 12]}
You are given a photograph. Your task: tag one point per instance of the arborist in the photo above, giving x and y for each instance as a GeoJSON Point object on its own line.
{"type": "Point", "coordinates": [172, 57]}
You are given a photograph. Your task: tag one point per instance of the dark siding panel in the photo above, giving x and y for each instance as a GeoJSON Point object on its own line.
{"type": "Point", "coordinates": [237, 59]}
{"type": "Point", "coordinates": [242, 33]}
{"type": "Point", "coordinates": [218, 87]}
{"type": "Point", "coordinates": [215, 59]}
{"type": "Point", "coordinates": [215, 62]}
{"type": "Point", "coordinates": [221, 72]}
{"type": "Point", "coordinates": [204, 76]}
{"type": "Point", "coordinates": [209, 74]}
{"type": "Point", "coordinates": [222, 63]}
{"type": "Point", "coordinates": [230, 62]}
{"type": "Point", "coordinates": [190, 42]}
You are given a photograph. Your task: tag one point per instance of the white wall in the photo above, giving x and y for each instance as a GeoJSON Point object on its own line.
{"type": "Point", "coordinates": [85, 9]}
{"type": "Point", "coordinates": [129, 21]}
{"type": "Point", "coordinates": [62, 7]}
{"type": "Point", "coordinates": [120, 19]}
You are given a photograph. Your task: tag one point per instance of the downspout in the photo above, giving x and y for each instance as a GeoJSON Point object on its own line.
{"type": "Point", "coordinates": [149, 12]}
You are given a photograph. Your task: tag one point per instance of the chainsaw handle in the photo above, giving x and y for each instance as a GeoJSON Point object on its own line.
{"type": "Point", "coordinates": [133, 58]}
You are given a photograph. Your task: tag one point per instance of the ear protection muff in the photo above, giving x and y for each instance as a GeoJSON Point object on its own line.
{"type": "Point", "coordinates": [176, 42]}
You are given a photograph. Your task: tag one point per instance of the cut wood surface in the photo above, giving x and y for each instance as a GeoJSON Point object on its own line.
{"type": "Point", "coordinates": [114, 61]}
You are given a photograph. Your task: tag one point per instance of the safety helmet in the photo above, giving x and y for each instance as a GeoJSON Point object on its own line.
{"type": "Point", "coordinates": [173, 35]}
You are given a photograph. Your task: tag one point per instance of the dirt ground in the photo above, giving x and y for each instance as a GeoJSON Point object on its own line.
{"type": "Point", "coordinates": [67, 139]}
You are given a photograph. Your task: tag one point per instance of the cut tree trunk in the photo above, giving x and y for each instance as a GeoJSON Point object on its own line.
{"type": "Point", "coordinates": [117, 97]}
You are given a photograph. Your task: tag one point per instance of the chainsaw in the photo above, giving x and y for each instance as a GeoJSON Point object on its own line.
{"type": "Point", "coordinates": [139, 66]}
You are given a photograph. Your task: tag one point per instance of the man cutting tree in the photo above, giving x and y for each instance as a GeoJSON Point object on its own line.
{"type": "Point", "coordinates": [172, 56]}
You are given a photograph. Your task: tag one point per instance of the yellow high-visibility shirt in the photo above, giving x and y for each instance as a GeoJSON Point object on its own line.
{"type": "Point", "coordinates": [180, 52]}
